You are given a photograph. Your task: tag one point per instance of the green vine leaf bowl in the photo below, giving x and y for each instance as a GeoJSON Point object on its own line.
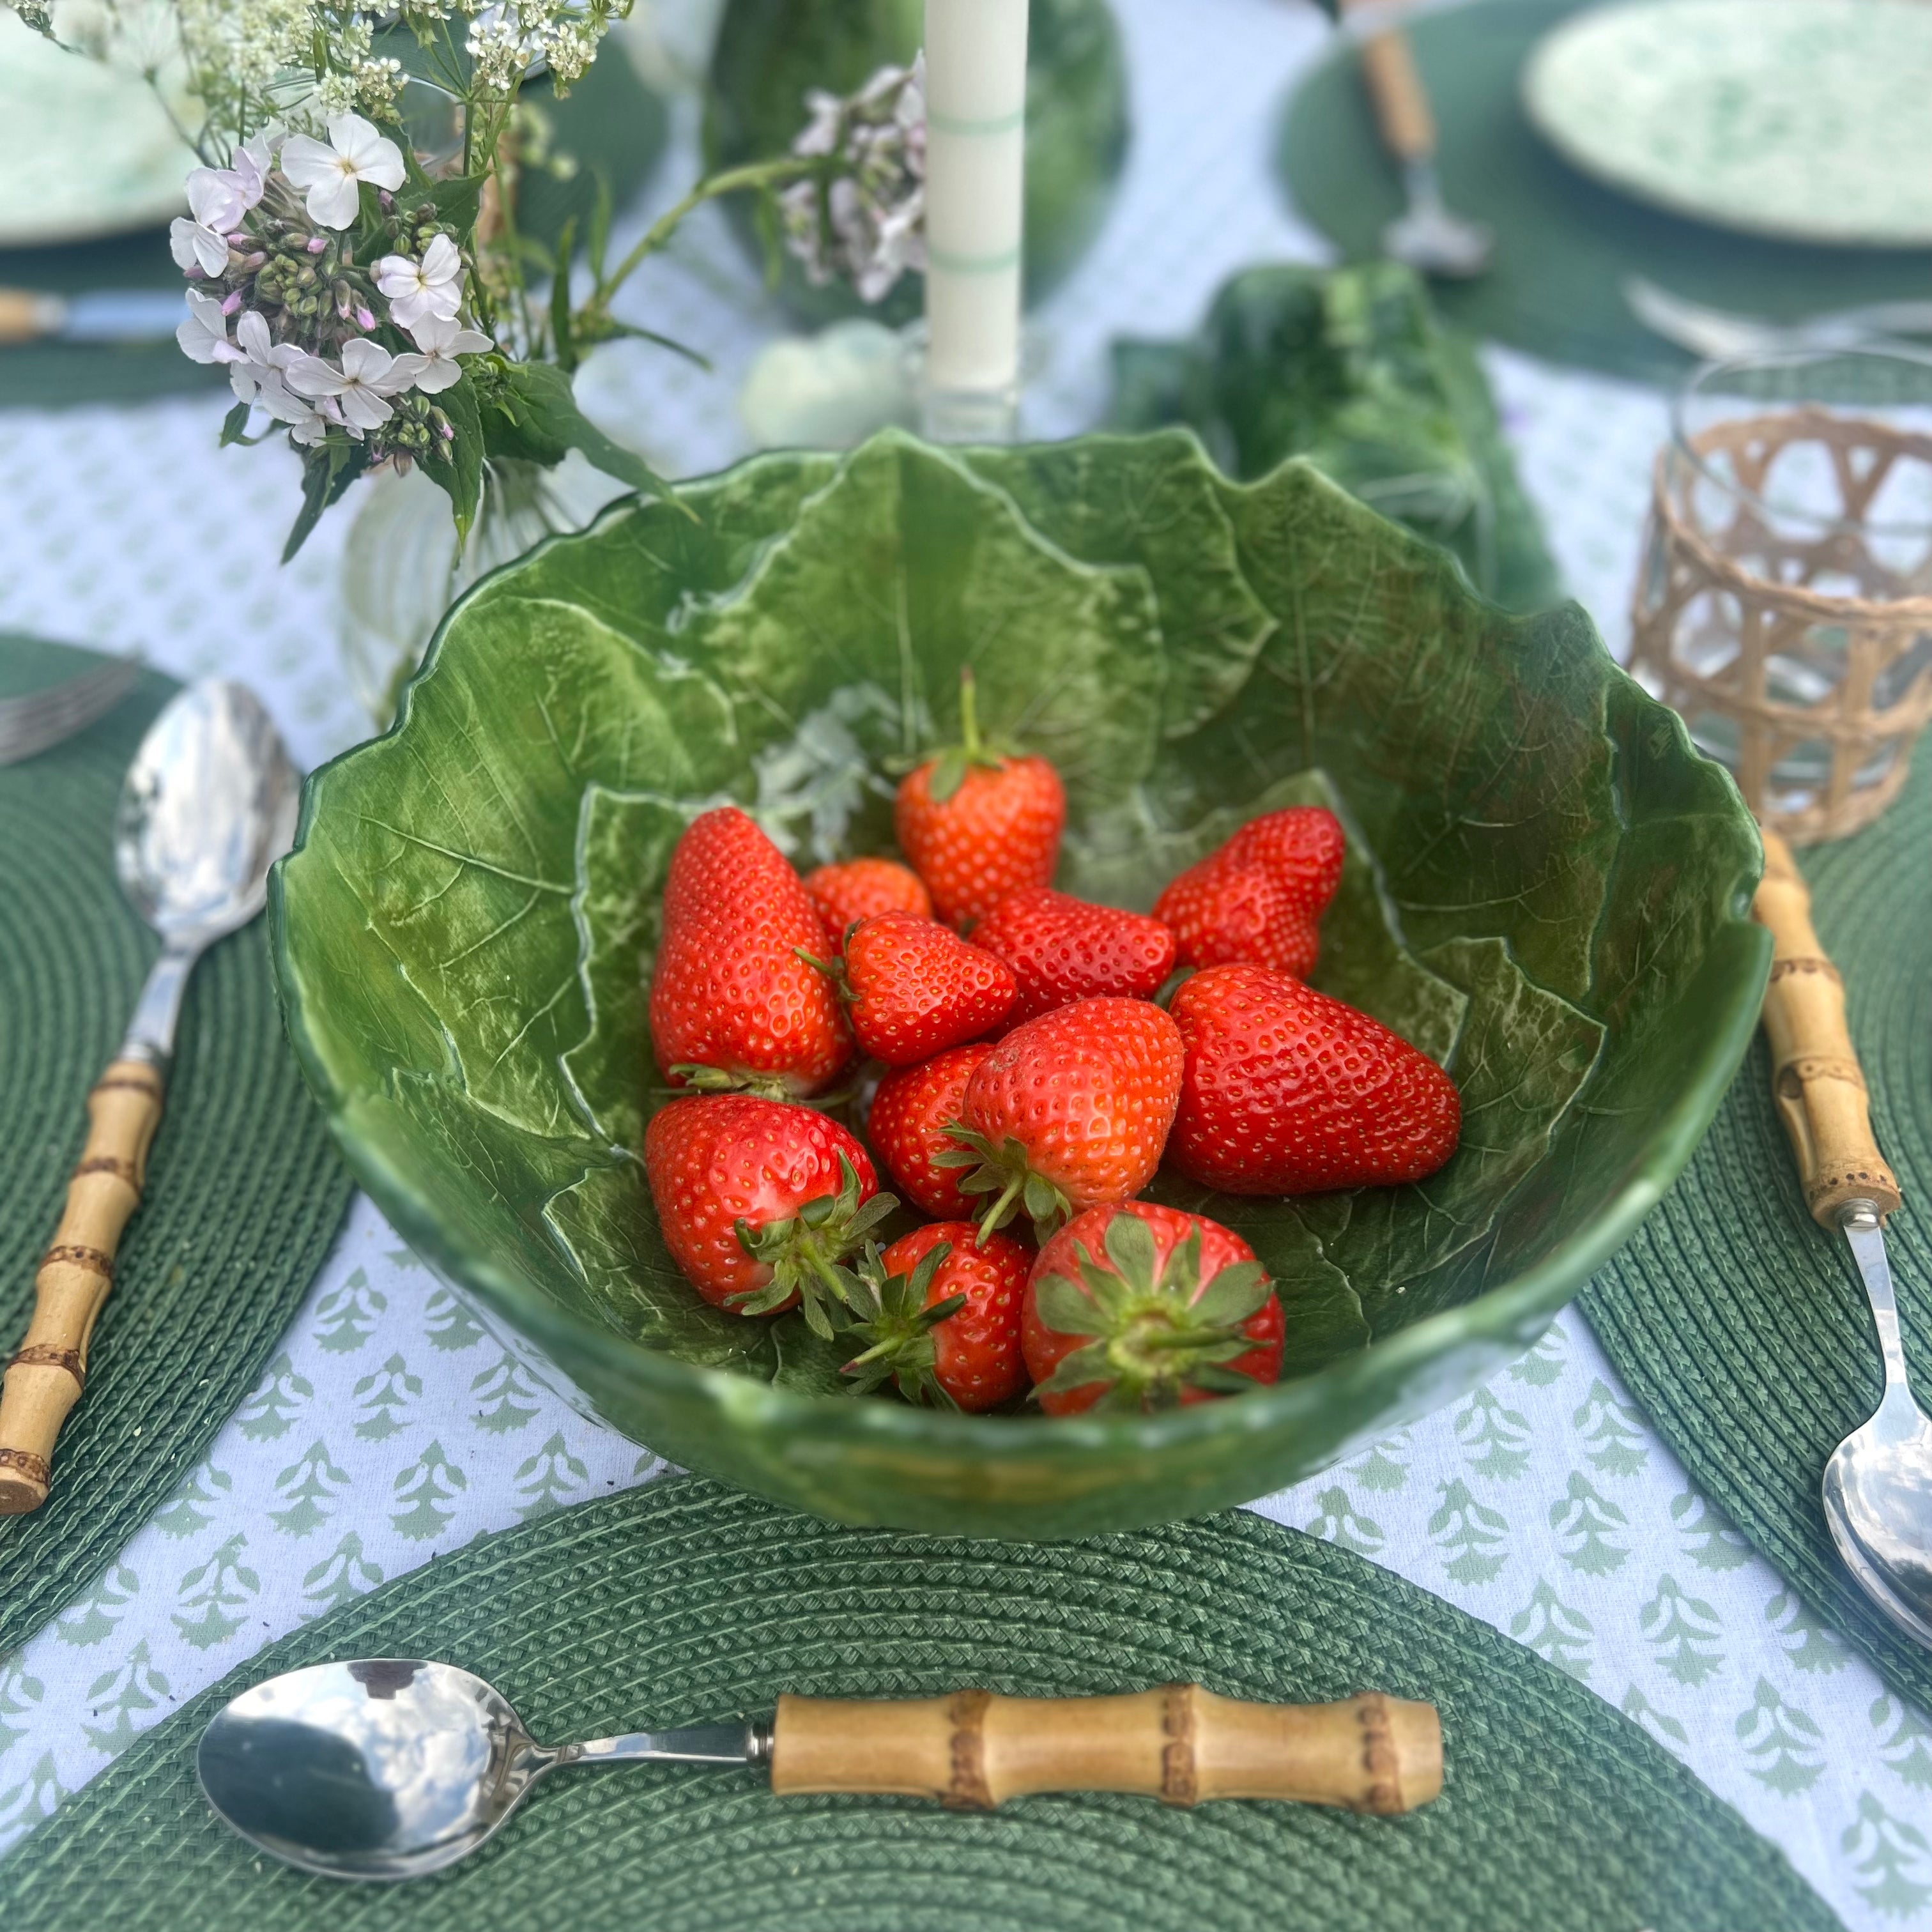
{"type": "Point", "coordinates": [1546, 887]}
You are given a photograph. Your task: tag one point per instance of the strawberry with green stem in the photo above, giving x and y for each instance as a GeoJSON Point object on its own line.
{"type": "Point", "coordinates": [1068, 1112]}
{"type": "Point", "coordinates": [733, 1005]}
{"type": "Point", "coordinates": [1258, 899]}
{"type": "Point", "coordinates": [1139, 1306]}
{"type": "Point", "coordinates": [907, 1129]}
{"type": "Point", "coordinates": [941, 1318]}
{"type": "Point", "coordinates": [761, 1203]}
{"type": "Point", "coordinates": [978, 822]}
{"type": "Point", "coordinates": [912, 987]}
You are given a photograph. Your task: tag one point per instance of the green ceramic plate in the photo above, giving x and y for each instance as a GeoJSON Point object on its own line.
{"type": "Point", "coordinates": [84, 150]}
{"type": "Point", "coordinates": [1547, 888]}
{"type": "Point", "coordinates": [1804, 119]}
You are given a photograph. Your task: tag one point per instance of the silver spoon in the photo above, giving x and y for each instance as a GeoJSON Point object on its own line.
{"type": "Point", "coordinates": [391, 1767]}
{"type": "Point", "coordinates": [1878, 1483]}
{"type": "Point", "coordinates": [208, 805]}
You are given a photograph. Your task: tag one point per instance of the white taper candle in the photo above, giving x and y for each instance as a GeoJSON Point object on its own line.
{"type": "Point", "coordinates": [975, 173]}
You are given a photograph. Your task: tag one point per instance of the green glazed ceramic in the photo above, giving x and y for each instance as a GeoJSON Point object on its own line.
{"type": "Point", "coordinates": [1546, 888]}
{"type": "Point", "coordinates": [771, 53]}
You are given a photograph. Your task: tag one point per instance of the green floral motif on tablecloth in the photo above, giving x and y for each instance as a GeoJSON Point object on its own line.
{"type": "Point", "coordinates": [197, 1503]}
{"type": "Point", "coordinates": [278, 1398]}
{"type": "Point", "coordinates": [1590, 1527]}
{"type": "Point", "coordinates": [1543, 1364]}
{"type": "Point", "coordinates": [345, 1572]}
{"type": "Point", "coordinates": [1683, 1631]}
{"type": "Point", "coordinates": [1384, 1468]}
{"type": "Point", "coordinates": [1809, 1644]}
{"type": "Point", "coordinates": [1336, 1520]}
{"type": "Point", "coordinates": [1661, 1725]}
{"type": "Point", "coordinates": [1556, 1632]}
{"type": "Point", "coordinates": [33, 1798]}
{"type": "Point", "coordinates": [20, 1696]}
{"type": "Point", "coordinates": [551, 1478]}
{"type": "Point", "coordinates": [1495, 1436]}
{"type": "Point", "coordinates": [1471, 1533]}
{"type": "Point", "coordinates": [92, 1619]}
{"type": "Point", "coordinates": [1615, 1441]}
{"type": "Point", "coordinates": [118, 1698]}
{"type": "Point", "coordinates": [382, 1398]}
{"type": "Point", "coordinates": [309, 1487]}
{"type": "Point", "coordinates": [343, 1321]}
{"type": "Point", "coordinates": [506, 1397]}
{"type": "Point", "coordinates": [449, 1324]}
{"type": "Point", "coordinates": [215, 1596]}
{"type": "Point", "coordinates": [1892, 1858]}
{"type": "Point", "coordinates": [1905, 1741]}
{"type": "Point", "coordinates": [427, 1489]}
{"type": "Point", "coordinates": [1711, 1543]}
{"type": "Point", "coordinates": [1785, 1746]}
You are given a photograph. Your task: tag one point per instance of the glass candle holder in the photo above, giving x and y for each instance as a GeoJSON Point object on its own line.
{"type": "Point", "coordinates": [962, 415]}
{"type": "Point", "coordinates": [1784, 606]}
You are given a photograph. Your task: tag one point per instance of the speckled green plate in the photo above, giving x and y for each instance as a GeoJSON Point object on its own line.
{"type": "Point", "coordinates": [1802, 118]}
{"type": "Point", "coordinates": [1548, 890]}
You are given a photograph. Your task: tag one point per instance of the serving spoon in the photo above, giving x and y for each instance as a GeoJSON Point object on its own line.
{"type": "Point", "coordinates": [208, 805]}
{"type": "Point", "coordinates": [1878, 1484]}
{"type": "Point", "coordinates": [392, 1768]}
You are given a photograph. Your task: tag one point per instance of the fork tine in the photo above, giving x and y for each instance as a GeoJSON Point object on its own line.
{"type": "Point", "coordinates": [34, 724]}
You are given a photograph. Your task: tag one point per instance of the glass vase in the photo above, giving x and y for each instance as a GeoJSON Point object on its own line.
{"type": "Point", "coordinates": [402, 568]}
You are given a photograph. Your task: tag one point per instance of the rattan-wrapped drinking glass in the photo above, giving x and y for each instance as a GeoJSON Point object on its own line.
{"type": "Point", "coordinates": [1784, 606]}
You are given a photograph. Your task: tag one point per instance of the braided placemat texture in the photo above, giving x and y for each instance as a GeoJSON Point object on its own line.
{"type": "Point", "coordinates": [686, 1600]}
{"type": "Point", "coordinates": [1737, 1321]}
{"type": "Point", "coordinates": [243, 1193]}
{"type": "Point", "coordinates": [1563, 243]}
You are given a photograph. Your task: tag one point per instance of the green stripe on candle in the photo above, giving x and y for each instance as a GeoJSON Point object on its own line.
{"type": "Point", "coordinates": [953, 264]}
{"type": "Point", "coordinates": [954, 124]}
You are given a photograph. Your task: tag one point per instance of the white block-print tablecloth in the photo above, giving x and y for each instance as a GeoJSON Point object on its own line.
{"type": "Point", "coordinates": [391, 1426]}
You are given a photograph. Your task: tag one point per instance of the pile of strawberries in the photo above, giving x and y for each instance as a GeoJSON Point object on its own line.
{"type": "Point", "coordinates": [1033, 1084]}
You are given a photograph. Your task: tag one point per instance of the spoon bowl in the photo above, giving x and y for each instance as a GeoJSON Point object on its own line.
{"type": "Point", "coordinates": [393, 1767]}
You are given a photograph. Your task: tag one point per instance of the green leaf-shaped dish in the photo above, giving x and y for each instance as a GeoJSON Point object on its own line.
{"type": "Point", "coordinates": [1546, 888]}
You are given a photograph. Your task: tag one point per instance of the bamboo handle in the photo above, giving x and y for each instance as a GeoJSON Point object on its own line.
{"type": "Point", "coordinates": [1181, 1744]}
{"type": "Point", "coordinates": [1815, 1075]}
{"type": "Point", "coordinates": [25, 316]}
{"type": "Point", "coordinates": [1401, 101]}
{"type": "Point", "coordinates": [44, 1380]}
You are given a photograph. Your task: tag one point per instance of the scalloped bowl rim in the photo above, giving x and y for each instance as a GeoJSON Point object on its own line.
{"type": "Point", "coordinates": [1535, 1295]}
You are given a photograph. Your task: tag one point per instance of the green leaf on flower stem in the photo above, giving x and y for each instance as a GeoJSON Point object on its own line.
{"type": "Point", "coordinates": [461, 474]}
{"type": "Point", "coordinates": [1537, 867]}
{"type": "Point", "coordinates": [328, 470]}
{"type": "Point", "coordinates": [234, 426]}
{"type": "Point", "coordinates": [456, 201]}
{"type": "Point", "coordinates": [529, 411]}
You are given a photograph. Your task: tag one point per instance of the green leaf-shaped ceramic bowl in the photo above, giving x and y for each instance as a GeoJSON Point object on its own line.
{"type": "Point", "coordinates": [1546, 888]}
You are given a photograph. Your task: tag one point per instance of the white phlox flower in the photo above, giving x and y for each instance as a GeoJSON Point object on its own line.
{"type": "Point", "coordinates": [203, 337]}
{"type": "Point", "coordinates": [330, 173]}
{"type": "Point", "coordinates": [368, 376]}
{"type": "Point", "coordinates": [218, 199]}
{"type": "Point", "coordinates": [442, 339]}
{"type": "Point", "coordinates": [433, 286]}
{"type": "Point", "coordinates": [260, 379]}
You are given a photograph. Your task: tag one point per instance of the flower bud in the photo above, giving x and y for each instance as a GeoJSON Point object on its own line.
{"type": "Point", "coordinates": [364, 318]}
{"type": "Point", "coordinates": [316, 244]}
{"type": "Point", "coordinates": [232, 303]}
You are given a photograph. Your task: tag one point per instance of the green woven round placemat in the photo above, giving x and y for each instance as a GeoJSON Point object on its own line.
{"type": "Point", "coordinates": [1563, 244]}
{"type": "Point", "coordinates": [611, 122]}
{"type": "Point", "coordinates": [244, 1191]}
{"type": "Point", "coordinates": [686, 1600]}
{"type": "Point", "coordinates": [1737, 1321]}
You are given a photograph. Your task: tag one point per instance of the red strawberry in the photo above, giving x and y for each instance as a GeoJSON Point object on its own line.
{"type": "Point", "coordinates": [1061, 949]}
{"type": "Point", "coordinates": [914, 987]}
{"type": "Point", "coordinates": [944, 1321]}
{"type": "Point", "coordinates": [907, 1127]}
{"type": "Point", "coordinates": [977, 826]}
{"type": "Point", "coordinates": [1134, 1306]}
{"type": "Point", "coordinates": [1289, 1092]}
{"type": "Point", "coordinates": [760, 1202]}
{"type": "Point", "coordinates": [1259, 899]}
{"type": "Point", "coordinates": [1070, 1110]}
{"type": "Point", "coordinates": [732, 1004]}
{"type": "Point", "coordinates": [862, 888]}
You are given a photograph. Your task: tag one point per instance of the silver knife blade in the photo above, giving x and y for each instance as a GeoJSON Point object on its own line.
{"type": "Point", "coordinates": [120, 315]}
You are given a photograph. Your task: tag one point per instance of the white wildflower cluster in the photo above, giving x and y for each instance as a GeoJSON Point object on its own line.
{"type": "Point", "coordinates": [507, 37]}
{"type": "Point", "coordinates": [308, 334]}
{"type": "Point", "coordinates": [868, 221]}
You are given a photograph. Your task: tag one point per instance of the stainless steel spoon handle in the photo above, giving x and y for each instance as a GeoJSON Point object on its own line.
{"type": "Point", "coordinates": [693, 1743]}
{"type": "Point", "coordinates": [151, 1032]}
{"type": "Point", "coordinates": [1861, 1224]}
